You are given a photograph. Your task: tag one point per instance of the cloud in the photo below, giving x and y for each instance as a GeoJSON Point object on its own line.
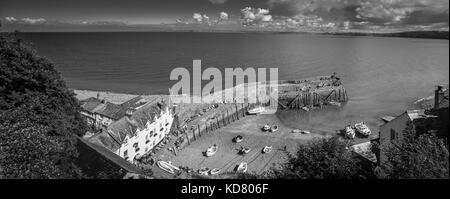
{"type": "Point", "coordinates": [198, 17]}
{"type": "Point", "coordinates": [375, 12]}
{"type": "Point", "coordinates": [26, 20]}
{"type": "Point", "coordinates": [223, 16]}
{"type": "Point", "coordinates": [10, 19]}
{"type": "Point", "coordinates": [252, 16]}
{"type": "Point", "coordinates": [218, 1]}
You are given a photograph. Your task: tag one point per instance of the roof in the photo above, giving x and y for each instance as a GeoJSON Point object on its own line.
{"type": "Point", "coordinates": [116, 133]}
{"type": "Point", "coordinates": [418, 114]}
{"type": "Point", "coordinates": [111, 110]}
{"type": "Point", "coordinates": [364, 149]}
{"type": "Point", "coordinates": [90, 104]}
{"type": "Point", "coordinates": [98, 162]}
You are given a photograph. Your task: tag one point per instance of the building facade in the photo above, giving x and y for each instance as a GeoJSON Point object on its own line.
{"type": "Point", "coordinates": [138, 132]}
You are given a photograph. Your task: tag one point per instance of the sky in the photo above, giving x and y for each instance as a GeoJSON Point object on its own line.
{"type": "Point", "coordinates": [278, 15]}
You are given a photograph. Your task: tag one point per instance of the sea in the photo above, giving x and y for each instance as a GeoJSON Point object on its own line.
{"type": "Point", "coordinates": [383, 76]}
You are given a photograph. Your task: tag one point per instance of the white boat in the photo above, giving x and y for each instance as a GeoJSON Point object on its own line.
{"type": "Point", "coordinates": [211, 151]}
{"type": "Point", "coordinates": [165, 166]}
{"type": "Point", "coordinates": [266, 127]}
{"type": "Point", "coordinates": [362, 129]}
{"type": "Point", "coordinates": [238, 139]}
{"type": "Point", "coordinates": [214, 171]}
{"type": "Point", "coordinates": [274, 128]}
{"type": "Point", "coordinates": [349, 132]}
{"type": "Point", "coordinates": [305, 108]}
{"type": "Point", "coordinates": [242, 167]}
{"type": "Point", "coordinates": [267, 149]}
{"type": "Point", "coordinates": [244, 150]}
{"type": "Point", "coordinates": [204, 171]}
{"type": "Point", "coordinates": [334, 103]}
{"type": "Point", "coordinates": [305, 132]}
{"type": "Point", "coordinates": [296, 131]}
{"type": "Point", "coordinates": [256, 111]}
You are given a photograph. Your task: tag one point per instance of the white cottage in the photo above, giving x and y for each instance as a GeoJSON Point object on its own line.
{"type": "Point", "coordinates": [138, 132]}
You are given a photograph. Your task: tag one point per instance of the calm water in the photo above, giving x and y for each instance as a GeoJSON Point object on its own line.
{"type": "Point", "coordinates": [382, 75]}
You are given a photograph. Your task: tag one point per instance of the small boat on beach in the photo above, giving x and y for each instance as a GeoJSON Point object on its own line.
{"type": "Point", "coordinates": [214, 171]}
{"type": "Point", "coordinates": [204, 171]}
{"type": "Point", "coordinates": [256, 111]}
{"type": "Point", "coordinates": [274, 128]}
{"type": "Point", "coordinates": [305, 108]}
{"type": "Point", "coordinates": [305, 132]}
{"type": "Point", "coordinates": [244, 150]}
{"type": "Point", "coordinates": [267, 149]}
{"type": "Point", "coordinates": [167, 166]}
{"type": "Point", "coordinates": [211, 151]}
{"type": "Point", "coordinates": [238, 139]}
{"type": "Point", "coordinates": [242, 167]}
{"type": "Point", "coordinates": [296, 131]}
{"type": "Point", "coordinates": [266, 127]}
{"type": "Point", "coordinates": [333, 103]}
{"type": "Point", "coordinates": [349, 132]}
{"type": "Point", "coordinates": [362, 129]}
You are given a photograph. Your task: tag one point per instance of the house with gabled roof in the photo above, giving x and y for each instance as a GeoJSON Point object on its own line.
{"type": "Point", "coordinates": [139, 131]}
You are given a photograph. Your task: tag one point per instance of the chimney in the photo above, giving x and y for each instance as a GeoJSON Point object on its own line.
{"type": "Point", "coordinates": [438, 94]}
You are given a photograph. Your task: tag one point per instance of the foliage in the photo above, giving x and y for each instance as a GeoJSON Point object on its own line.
{"type": "Point", "coordinates": [39, 116]}
{"type": "Point", "coordinates": [423, 156]}
{"type": "Point", "coordinates": [327, 158]}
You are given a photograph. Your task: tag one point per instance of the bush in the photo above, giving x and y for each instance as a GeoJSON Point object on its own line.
{"type": "Point", "coordinates": [39, 116]}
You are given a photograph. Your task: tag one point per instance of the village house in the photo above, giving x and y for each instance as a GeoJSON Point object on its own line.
{"type": "Point", "coordinates": [100, 114]}
{"type": "Point", "coordinates": [136, 133]}
{"type": "Point", "coordinates": [430, 120]}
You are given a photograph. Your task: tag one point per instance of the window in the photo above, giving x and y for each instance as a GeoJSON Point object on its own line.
{"type": "Point", "coordinates": [135, 145]}
{"type": "Point", "coordinates": [146, 142]}
{"type": "Point", "coordinates": [146, 149]}
{"type": "Point", "coordinates": [393, 135]}
{"type": "Point", "coordinates": [137, 149]}
{"type": "Point", "coordinates": [125, 153]}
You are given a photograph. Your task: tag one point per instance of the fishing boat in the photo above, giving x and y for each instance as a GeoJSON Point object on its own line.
{"type": "Point", "coordinates": [267, 149]}
{"type": "Point", "coordinates": [266, 127]}
{"type": "Point", "coordinates": [305, 132]}
{"type": "Point", "coordinates": [274, 128]}
{"type": "Point", "coordinates": [296, 131]}
{"type": "Point", "coordinates": [204, 171]}
{"type": "Point", "coordinates": [349, 132]}
{"type": "Point", "coordinates": [333, 103]}
{"type": "Point", "coordinates": [256, 111]}
{"type": "Point", "coordinates": [211, 151]}
{"type": "Point", "coordinates": [362, 129]}
{"type": "Point", "coordinates": [214, 171]}
{"type": "Point", "coordinates": [166, 166]}
{"type": "Point", "coordinates": [242, 167]}
{"type": "Point", "coordinates": [244, 150]}
{"type": "Point", "coordinates": [238, 139]}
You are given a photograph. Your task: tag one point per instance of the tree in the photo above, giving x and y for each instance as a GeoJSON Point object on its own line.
{"type": "Point", "coordinates": [39, 115]}
{"type": "Point", "coordinates": [422, 156]}
{"type": "Point", "coordinates": [327, 158]}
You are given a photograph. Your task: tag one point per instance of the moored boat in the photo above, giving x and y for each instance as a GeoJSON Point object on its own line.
{"type": "Point", "coordinates": [274, 128]}
{"type": "Point", "coordinates": [333, 103]}
{"type": "Point", "coordinates": [256, 111]}
{"type": "Point", "coordinates": [244, 150]}
{"type": "Point", "coordinates": [204, 171]}
{"type": "Point", "coordinates": [242, 167]}
{"type": "Point", "coordinates": [266, 127]}
{"type": "Point", "coordinates": [267, 149]}
{"type": "Point", "coordinates": [211, 151]}
{"type": "Point", "coordinates": [349, 132]}
{"type": "Point", "coordinates": [214, 171]}
{"type": "Point", "coordinates": [165, 166]}
{"type": "Point", "coordinates": [362, 129]}
{"type": "Point", "coordinates": [305, 132]}
{"type": "Point", "coordinates": [238, 139]}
